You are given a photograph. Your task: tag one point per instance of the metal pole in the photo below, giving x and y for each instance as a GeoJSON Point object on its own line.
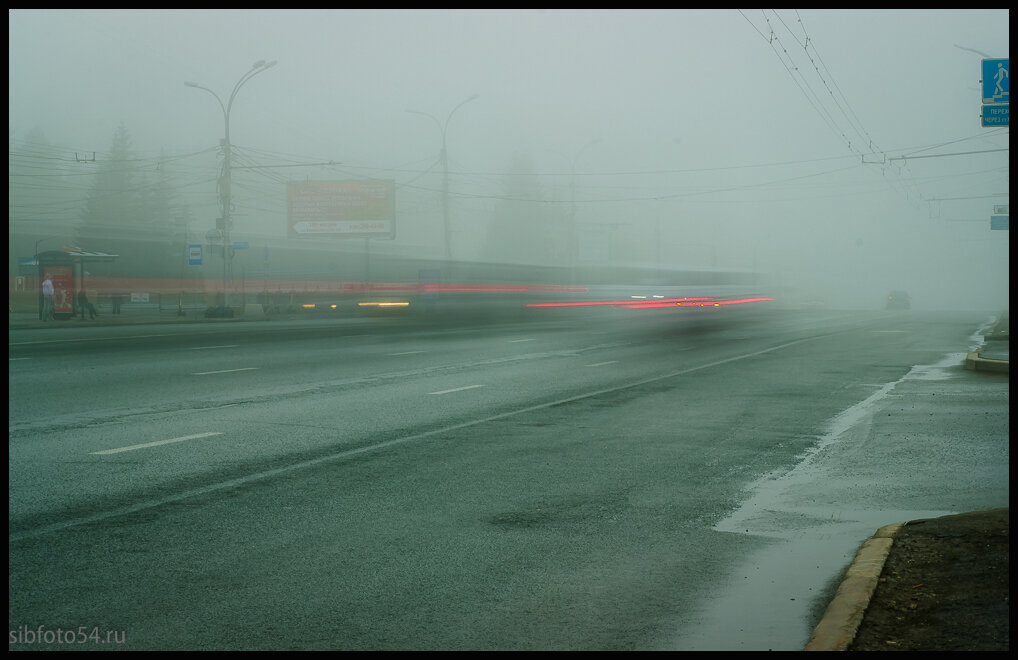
{"type": "Point", "coordinates": [225, 184]}
{"type": "Point", "coordinates": [446, 229]}
{"type": "Point", "coordinates": [224, 196]}
{"type": "Point", "coordinates": [573, 234]}
{"type": "Point", "coordinates": [444, 157]}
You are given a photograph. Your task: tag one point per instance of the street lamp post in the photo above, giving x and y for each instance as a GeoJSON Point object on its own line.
{"type": "Point", "coordinates": [572, 239]}
{"type": "Point", "coordinates": [225, 181]}
{"type": "Point", "coordinates": [444, 156]}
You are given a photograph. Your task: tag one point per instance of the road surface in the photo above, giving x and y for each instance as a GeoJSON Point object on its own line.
{"type": "Point", "coordinates": [624, 483]}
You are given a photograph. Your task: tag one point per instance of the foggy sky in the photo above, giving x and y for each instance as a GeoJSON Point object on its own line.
{"type": "Point", "coordinates": [717, 137]}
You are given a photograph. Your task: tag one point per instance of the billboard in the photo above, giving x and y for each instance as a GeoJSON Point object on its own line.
{"type": "Point", "coordinates": [341, 209]}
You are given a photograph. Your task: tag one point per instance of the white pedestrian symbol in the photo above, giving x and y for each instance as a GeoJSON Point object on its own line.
{"type": "Point", "coordinates": [999, 79]}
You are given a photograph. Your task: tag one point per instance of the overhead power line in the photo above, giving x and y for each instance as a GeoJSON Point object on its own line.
{"type": "Point", "coordinates": [958, 153]}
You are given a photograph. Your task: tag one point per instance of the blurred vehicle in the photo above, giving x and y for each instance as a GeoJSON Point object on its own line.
{"type": "Point", "coordinates": [898, 300]}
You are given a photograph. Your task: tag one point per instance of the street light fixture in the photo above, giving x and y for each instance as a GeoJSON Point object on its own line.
{"type": "Point", "coordinates": [443, 128]}
{"type": "Point", "coordinates": [973, 50]}
{"type": "Point", "coordinates": [226, 179]}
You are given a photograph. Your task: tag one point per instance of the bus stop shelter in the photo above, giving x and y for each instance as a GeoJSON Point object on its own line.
{"type": "Point", "coordinates": [66, 269]}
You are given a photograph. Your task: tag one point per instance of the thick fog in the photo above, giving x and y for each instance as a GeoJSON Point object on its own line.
{"type": "Point", "coordinates": [839, 151]}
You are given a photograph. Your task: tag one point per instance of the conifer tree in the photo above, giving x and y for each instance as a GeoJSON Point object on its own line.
{"type": "Point", "coordinates": [128, 215]}
{"type": "Point", "coordinates": [525, 229]}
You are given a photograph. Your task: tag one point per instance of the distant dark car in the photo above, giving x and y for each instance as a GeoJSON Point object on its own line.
{"type": "Point", "coordinates": [898, 300]}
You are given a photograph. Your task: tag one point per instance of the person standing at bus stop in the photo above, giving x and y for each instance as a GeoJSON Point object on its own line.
{"type": "Point", "coordinates": [85, 304]}
{"type": "Point", "coordinates": [48, 303]}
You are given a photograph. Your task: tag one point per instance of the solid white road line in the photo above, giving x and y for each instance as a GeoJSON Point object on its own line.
{"type": "Point", "coordinates": [157, 443]}
{"type": "Point", "coordinates": [224, 371]}
{"type": "Point", "coordinates": [457, 389]}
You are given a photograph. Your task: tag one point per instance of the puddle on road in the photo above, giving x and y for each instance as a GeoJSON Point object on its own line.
{"type": "Point", "coordinates": [777, 596]}
{"type": "Point", "coordinates": [774, 599]}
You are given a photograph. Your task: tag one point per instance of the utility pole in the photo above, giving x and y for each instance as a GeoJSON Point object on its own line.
{"type": "Point", "coordinates": [226, 179]}
{"type": "Point", "coordinates": [444, 157]}
{"type": "Point", "coordinates": [572, 237]}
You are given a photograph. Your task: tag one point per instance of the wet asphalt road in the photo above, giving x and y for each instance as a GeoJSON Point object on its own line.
{"type": "Point", "coordinates": [554, 486]}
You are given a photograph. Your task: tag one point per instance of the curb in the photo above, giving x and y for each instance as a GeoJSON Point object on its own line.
{"type": "Point", "coordinates": [844, 614]}
{"type": "Point", "coordinates": [976, 362]}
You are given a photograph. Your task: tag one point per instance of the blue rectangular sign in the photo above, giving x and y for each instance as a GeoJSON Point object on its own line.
{"type": "Point", "coordinates": [194, 254]}
{"type": "Point", "coordinates": [996, 115]}
{"type": "Point", "coordinates": [999, 222]}
{"type": "Point", "coordinates": [996, 82]}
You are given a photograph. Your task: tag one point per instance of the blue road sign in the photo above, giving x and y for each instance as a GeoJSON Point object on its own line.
{"type": "Point", "coordinates": [999, 222]}
{"type": "Point", "coordinates": [194, 254]}
{"type": "Point", "coordinates": [996, 115]}
{"type": "Point", "coordinates": [996, 83]}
